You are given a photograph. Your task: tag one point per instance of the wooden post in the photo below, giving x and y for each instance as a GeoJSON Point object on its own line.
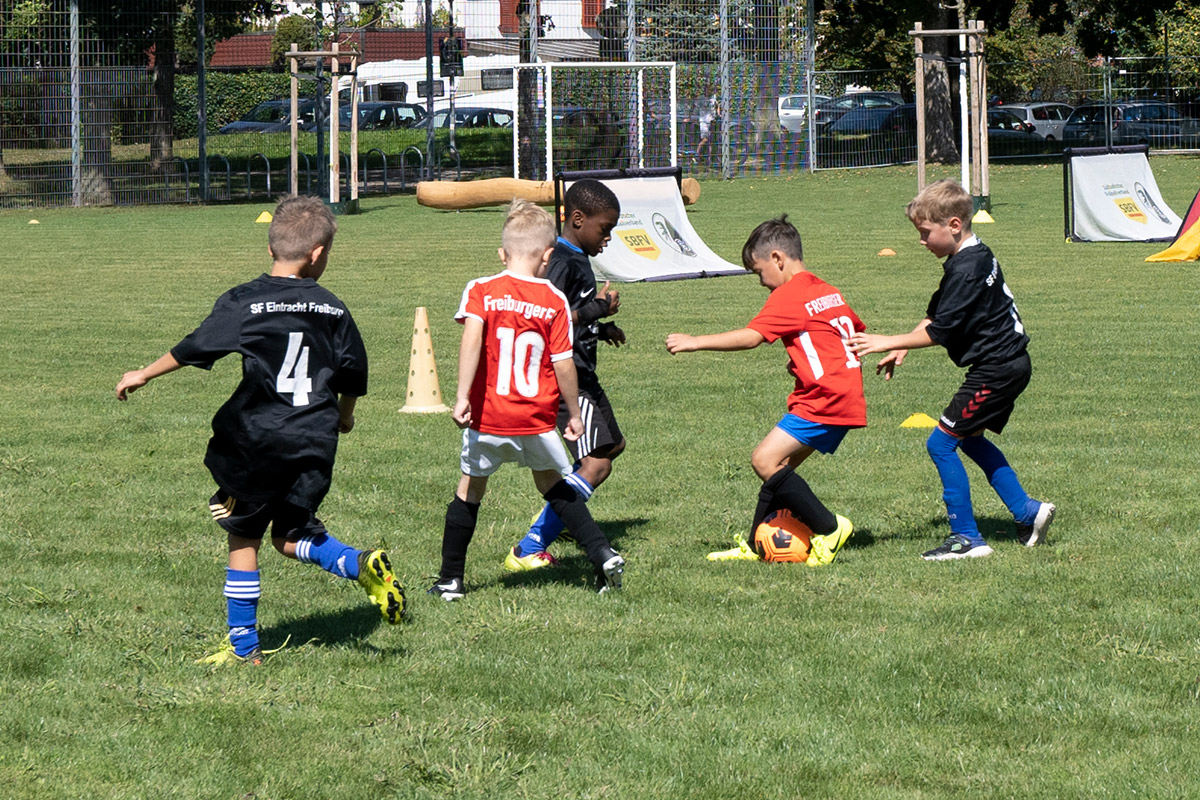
{"type": "Point", "coordinates": [294, 180]}
{"type": "Point", "coordinates": [919, 43]}
{"type": "Point", "coordinates": [978, 116]}
{"type": "Point", "coordinates": [985, 189]}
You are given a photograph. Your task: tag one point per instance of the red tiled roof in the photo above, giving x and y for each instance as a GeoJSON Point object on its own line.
{"type": "Point", "coordinates": [254, 49]}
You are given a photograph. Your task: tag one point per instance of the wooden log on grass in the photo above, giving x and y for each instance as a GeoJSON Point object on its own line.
{"type": "Point", "coordinates": [455, 195]}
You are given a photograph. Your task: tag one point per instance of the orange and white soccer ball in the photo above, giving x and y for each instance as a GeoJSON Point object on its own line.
{"type": "Point", "coordinates": [782, 537]}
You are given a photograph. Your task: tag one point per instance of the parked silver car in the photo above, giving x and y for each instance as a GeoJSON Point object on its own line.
{"type": "Point", "coordinates": [1047, 119]}
{"type": "Point", "coordinates": [793, 110]}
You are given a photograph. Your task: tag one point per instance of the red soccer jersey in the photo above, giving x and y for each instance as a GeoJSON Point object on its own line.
{"type": "Point", "coordinates": [526, 327]}
{"type": "Point", "coordinates": [815, 323]}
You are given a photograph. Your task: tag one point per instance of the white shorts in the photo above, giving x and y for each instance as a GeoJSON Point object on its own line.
{"type": "Point", "coordinates": [483, 453]}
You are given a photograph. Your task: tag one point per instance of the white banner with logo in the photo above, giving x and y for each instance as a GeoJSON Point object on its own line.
{"type": "Point", "coordinates": [1116, 199]}
{"type": "Point", "coordinates": [653, 240]}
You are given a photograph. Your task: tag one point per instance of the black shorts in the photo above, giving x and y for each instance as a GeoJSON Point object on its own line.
{"type": "Point", "coordinates": [986, 398]}
{"type": "Point", "coordinates": [600, 428]}
{"type": "Point", "coordinates": [249, 520]}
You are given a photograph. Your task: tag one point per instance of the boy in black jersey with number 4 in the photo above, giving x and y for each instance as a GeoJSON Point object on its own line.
{"type": "Point", "coordinates": [972, 315]}
{"type": "Point", "coordinates": [271, 453]}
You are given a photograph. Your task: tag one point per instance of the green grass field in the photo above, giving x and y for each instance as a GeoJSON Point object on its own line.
{"type": "Point", "coordinates": [1070, 671]}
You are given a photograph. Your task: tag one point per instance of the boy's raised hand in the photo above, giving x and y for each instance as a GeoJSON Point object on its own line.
{"type": "Point", "coordinates": [613, 298]}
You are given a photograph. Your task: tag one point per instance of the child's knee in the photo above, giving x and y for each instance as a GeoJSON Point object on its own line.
{"type": "Point", "coordinates": [940, 444]}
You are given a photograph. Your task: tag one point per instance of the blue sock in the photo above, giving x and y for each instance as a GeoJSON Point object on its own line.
{"type": "Point", "coordinates": [548, 526]}
{"type": "Point", "coordinates": [329, 554]}
{"type": "Point", "coordinates": [1002, 477]}
{"type": "Point", "coordinates": [956, 488]}
{"type": "Point", "coordinates": [242, 590]}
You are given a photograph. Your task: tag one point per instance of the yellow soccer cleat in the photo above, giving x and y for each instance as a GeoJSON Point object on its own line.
{"type": "Point", "coordinates": [376, 578]}
{"type": "Point", "coordinates": [516, 563]}
{"type": "Point", "coordinates": [227, 655]}
{"type": "Point", "coordinates": [743, 552]}
{"type": "Point", "coordinates": [824, 549]}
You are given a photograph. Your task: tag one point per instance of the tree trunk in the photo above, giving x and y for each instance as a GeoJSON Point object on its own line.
{"type": "Point", "coordinates": [941, 145]}
{"type": "Point", "coordinates": [163, 77]}
{"type": "Point", "coordinates": [97, 118]}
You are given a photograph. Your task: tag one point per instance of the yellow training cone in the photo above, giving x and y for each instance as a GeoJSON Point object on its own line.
{"type": "Point", "coordinates": [264, 217]}
{"type": "Point", "coordinates": [982, 216]}
{"type": "Point", "coordinates": [919, 420]}
{"type": "Point", "coordinates": [424, 396]}
{"type": "Point", "coordinates": [34, 222]}
{"type": "Point", "coordinates": [887, 251]}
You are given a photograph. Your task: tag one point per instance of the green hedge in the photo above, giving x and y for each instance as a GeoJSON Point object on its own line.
{"type": "Point", "coordinates": [230, 96]}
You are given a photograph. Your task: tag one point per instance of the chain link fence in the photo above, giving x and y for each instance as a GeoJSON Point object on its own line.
{"type": "Point", "coordinates": [101, 104]}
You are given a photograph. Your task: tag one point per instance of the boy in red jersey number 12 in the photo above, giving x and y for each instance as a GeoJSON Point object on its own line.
{"type": "Point", "coordinates": [815, 324]}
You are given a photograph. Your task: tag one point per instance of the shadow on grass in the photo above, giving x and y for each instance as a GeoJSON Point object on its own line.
{"type": "Point", "coordinates": [573, 567]}
{"type": "Point", "coordinates": [350, 626]}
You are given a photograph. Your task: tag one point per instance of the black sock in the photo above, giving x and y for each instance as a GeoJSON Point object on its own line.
{"type": "Point", "coordinates": [460, 527]}
{"type": "Point", "coordinates": [786, 489]}
{"type": "Point", "coordinates": [573, 511]}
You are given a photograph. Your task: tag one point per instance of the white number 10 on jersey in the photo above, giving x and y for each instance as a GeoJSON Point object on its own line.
{"type": "Point", "coordinates": [518, 362]}
{"type": "Point", "coordinates": [293, 375]}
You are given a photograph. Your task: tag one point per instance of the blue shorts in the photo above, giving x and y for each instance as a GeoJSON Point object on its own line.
{"type": "Point", "coordinates": [820, 437]}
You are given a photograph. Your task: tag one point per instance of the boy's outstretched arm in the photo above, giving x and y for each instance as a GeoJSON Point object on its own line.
{"type": "Point", "coordinates": [568, 390]}
{"type": "Point", "coordinates": [469, 352]}
{"type": "Point", "coordinates": [740, 339]}
{"type": "Point", "coordinates": [896, 347]}
{"type": "Point", "coordinates": [135, 379]}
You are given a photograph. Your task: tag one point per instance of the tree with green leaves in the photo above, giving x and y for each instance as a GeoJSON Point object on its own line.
{"type": "Point", "coordinates": [144, 31]}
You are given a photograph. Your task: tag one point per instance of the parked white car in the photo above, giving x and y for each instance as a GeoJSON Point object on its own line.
{"type": "Point", "coordinates": [1047, 119]}
{"type": "Point", "coordinates": [793, 111]}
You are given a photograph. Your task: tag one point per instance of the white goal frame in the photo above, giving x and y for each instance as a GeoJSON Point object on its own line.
{"type": "Point", "coordinates": [545, 78]}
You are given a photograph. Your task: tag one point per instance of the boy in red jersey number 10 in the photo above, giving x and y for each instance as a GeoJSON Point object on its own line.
{"type": "Point", "coordinates": [513, 364]}
{"type": "Point", "coordinates": [815, 324]}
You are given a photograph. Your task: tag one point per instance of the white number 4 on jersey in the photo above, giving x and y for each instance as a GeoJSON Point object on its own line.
{"type": "Point", "coordinates": [293, 375]}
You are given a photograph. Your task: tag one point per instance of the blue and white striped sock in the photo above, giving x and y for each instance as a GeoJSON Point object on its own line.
{"type": "Point", "coordinates": [329, 554]}
{"type": "Point", "coordinates": [548, 527]}
{"type": "Point", "coordinates": [242, 590]}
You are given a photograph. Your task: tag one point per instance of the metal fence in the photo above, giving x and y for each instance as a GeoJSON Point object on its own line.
{"type": "Point", "coordinates": [104, 105]}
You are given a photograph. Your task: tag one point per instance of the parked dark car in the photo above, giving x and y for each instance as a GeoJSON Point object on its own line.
{"type": "Point", "coordinates": [1009, 135]}
{"type": "Point", "coordinates": [377, 115]}
{"type": "Point", "coordinates": [830, 111]}
{"type": "Point", "coordinates": [270, 116]}
{"type": "Point", "coordinates": [869, 136]}
{"type": "Point", "coordinates": [473, 117]}
{"type": "Point", "coordinates": [1159, 125]}
{"type": "Point", "coordinates": [881, 135]}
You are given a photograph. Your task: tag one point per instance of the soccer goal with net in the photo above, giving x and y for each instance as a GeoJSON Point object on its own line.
{"type": "Point", "coordinates": [593, 115]}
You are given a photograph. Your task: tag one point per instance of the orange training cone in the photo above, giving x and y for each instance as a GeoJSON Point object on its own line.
{"type": "Point", "coordinates": [424, 396]}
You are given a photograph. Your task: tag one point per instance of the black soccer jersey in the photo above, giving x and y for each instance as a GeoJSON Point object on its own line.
{"type": "Point", "coordinates": [571, 273]}
{"type": "Point", "coordinates": [972, 312]}
{"type": "Point", "coordinates": [276, 437]}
